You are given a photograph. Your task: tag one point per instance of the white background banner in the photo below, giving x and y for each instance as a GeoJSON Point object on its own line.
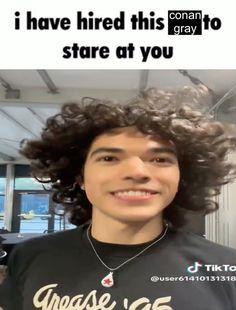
{"type": "Point", "coordinates": [50, 34]}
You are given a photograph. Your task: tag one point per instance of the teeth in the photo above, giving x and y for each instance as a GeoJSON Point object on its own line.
{"type": "Point", "coordinates": [133, 193]}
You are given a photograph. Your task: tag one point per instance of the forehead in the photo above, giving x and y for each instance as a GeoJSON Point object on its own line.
{"type": "Point", "coordinates": [128, 138]}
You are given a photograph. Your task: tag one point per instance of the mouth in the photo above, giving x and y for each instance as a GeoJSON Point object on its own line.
{"type": "Point", "coordinates": [134, 194]}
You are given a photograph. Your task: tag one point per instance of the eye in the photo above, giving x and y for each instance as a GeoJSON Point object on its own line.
{"type": "Point", "coordinates": [162, 160]}
{"type": "Point", "coordinates": [107, 158]}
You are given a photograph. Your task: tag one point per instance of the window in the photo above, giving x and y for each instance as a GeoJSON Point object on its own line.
{"type": "Point", "coordinates": [27, 183]}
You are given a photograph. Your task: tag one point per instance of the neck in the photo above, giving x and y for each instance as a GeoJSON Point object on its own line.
{"type": "Point", "coordinates": [116, 232]}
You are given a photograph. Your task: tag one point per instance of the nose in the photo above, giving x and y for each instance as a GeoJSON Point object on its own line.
{"type": "Point", "coordinates": [135, 170]}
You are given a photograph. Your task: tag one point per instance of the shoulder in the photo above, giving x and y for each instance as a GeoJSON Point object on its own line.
{"type": "Point", "coordinates": [27, 250]}
{"type": "Point", "coordinates": [199, 247]}
{"type": "Point", "coordinates": [63, 238]}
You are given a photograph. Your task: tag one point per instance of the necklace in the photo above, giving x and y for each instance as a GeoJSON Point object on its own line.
{"type": "Point", "coordinates": [108, 280]}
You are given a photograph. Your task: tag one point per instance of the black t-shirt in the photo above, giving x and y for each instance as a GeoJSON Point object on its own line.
{"type": "Point", "coordinates": [61, 272]}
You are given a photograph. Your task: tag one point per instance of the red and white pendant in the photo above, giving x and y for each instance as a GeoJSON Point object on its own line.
{"type": "Point", "coordinates": [108, 280]}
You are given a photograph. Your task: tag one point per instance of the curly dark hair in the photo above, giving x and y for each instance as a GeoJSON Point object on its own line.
{"type": "Point", "coordinates": [202, 145]}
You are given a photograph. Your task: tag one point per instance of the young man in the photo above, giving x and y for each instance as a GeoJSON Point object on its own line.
{"type": "Point", "coordinates": [128, 173]}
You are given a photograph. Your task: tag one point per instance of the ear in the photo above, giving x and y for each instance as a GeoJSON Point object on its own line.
{"type": "Point", "coordinates": [80, 181]}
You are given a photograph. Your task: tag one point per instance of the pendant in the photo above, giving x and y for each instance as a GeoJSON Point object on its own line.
{"type": "Point", "coordinates": [108, 280]}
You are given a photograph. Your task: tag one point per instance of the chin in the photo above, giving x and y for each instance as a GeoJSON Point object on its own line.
{"type": "Point", "coordinates": [138, 217]}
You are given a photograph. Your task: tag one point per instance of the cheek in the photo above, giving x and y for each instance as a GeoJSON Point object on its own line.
{"type": "Point", "coordinates": [175, 179]}
{"type": "Point", "coordinates": [171, 179]}
{"type": "Point", "coordinates": [90, 184]}
{"type": "Point", "coordinates": [94, 185]}
{"type": "Point", "coordinates": [91, 192]}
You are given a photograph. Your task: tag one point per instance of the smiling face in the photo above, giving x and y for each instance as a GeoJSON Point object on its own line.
{"type": "Point", "coordinates": [130, 177]}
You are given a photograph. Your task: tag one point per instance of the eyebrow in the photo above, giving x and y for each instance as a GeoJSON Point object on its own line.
{"type": "Point", "coordinates": [115, 150]}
